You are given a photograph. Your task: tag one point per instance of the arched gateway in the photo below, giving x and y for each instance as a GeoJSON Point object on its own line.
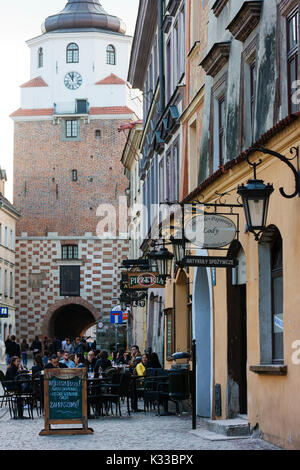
{"type": "Point", "coordinates": [69, 318]}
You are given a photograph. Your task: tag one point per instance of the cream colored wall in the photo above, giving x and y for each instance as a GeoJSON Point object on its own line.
{"type": "Point", "coordinates": [272, 400]}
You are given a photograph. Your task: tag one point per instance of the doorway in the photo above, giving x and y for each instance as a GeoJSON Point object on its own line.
{"type": "Point", "coordinates": [236, 395]}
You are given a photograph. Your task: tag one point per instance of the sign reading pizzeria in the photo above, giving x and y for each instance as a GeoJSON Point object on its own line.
{"type": "Point", "coordinates": [143, 281]}
{"type": "Point", "coordinates": [210, 231]}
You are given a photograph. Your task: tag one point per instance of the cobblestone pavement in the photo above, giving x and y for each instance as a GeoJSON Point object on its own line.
{"type": "Point", "coordinates": [140, 431]}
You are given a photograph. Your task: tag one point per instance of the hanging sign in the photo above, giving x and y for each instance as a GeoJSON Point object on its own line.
{"type": "Point", "coordinates": [143, 281]}
{"type": "Point", "coordinates": [209, 231]}
{"type": "Point", "coordinates": [210, 262]}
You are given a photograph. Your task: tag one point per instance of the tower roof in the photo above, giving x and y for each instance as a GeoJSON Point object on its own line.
{"type": "Point", "coordinates": [84, 14]}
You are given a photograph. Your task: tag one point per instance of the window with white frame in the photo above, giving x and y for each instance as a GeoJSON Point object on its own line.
{"type": "Point", "coordinates": [111, 55]}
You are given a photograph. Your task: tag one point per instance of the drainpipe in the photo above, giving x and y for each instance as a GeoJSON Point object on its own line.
{"type": "Point", "coordinates": [161, 55]}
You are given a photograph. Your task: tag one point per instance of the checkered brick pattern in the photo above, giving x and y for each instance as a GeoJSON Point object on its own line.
{"type": "Point", "coordinates": [100, 270]}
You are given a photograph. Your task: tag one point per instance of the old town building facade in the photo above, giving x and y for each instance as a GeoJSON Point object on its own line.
{"type": "Point", "coordinates": [236, 89]}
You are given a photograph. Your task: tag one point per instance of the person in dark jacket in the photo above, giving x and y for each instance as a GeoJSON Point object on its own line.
{"type": "Point", "coordinates": [153, 361]}
{"type": "Point", "coordinates": [38, 364]}
{"type": "Point", "coordinates": [55, 364]}
{"type": "Point", "coordinates": [102, 363]}
{"type": "Point", "coordinates": [12, 372]}
{"type": "Point", "coordinates": [13, 348]}
{"type": "Point", "coordinates": [36, 346]}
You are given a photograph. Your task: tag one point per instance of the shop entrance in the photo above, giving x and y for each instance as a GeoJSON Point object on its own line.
{"type": "Point", "coordinates": [236, 396]}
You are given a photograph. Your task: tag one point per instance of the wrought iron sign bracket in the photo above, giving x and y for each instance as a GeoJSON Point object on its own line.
{"type": "Point", "coordinates": [294, 151]}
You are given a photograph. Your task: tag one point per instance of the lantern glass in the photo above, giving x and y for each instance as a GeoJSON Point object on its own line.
{"type": "Point", "coordinates": [256, 197]}
{"type": "Point", "coordinates": [164, 262]}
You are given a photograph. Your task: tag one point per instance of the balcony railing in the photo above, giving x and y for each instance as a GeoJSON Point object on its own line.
{"type": "Point", "coordinates": [78, 107]}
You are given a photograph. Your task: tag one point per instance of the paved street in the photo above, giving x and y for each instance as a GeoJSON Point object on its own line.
{"type": "Point", "coordinates": [141, 431]}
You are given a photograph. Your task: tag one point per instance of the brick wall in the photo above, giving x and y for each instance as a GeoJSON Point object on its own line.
{"type": "Point", "coordinates": [56, 210]}
{"type": "Point", "coordinates": [43, 162]}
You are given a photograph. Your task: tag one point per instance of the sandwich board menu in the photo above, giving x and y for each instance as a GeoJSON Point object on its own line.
{"type": "Point", "coordinates": [65, 401]}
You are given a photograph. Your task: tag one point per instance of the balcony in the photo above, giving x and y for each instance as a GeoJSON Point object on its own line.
{"type": "Point", "coordinates": [77, 107]}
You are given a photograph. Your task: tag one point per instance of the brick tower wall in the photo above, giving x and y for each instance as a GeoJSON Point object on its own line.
{"type": "Point", "coordinates": [44, 192]}
{"type": "Point", "coordinates": [55, 211]}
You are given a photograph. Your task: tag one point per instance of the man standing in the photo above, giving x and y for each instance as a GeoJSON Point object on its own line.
{"type": "Point", "coordinates": [13, 348]}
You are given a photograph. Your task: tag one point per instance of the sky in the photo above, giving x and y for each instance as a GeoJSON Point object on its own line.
{"type": "Point", "coordinates": [21, 20]}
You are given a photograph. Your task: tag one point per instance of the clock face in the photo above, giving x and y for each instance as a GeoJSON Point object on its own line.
{"type": "Point", "coordinates": [73, 80]}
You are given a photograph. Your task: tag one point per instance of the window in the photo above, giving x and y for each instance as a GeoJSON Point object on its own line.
{"type": "Point", "coordinates": [168, 70]}
{"type": "Point", "coordinates": [72, 53]}
{"type": "Point", "coordinates": [40, 58]}
{"type": "Point", "coordinates": [11, 285]}
{"type": "Point", "coordinates": [0, 234]}
{"type": "Point", "coordinates": [70, 281]}
{"type": "Point", "coordinates": [98, 134]}
{"type": "Point", "coordinates": [292, 56]}
{"type": "Point", "coordinates": [11, 240]}
{"type": "Point", "coordinates": [277, 300]}
{"type": "Point", "coordinates": [71, 129]}
{"type": "Point", "coordinates": [0, 281]}
{"type": "Point", "coordinates": [252, 70]}
{"type": "Point", "coordinates": [74, 175]}
{"type": "Point", "coordinates": [110, 55]}
{"type": "Point", "coordinates": [5, 283]}
{"type": "Point", "coordinates": [6, 237]}
{"type": "Point", "coordinates": [221, 114]}
{"type": "Point", "coordinates": [169, 333]}
{"type": "Point", "coordinates": [70, 252]}
{"type": "Point", "coordinates": [271, 320]}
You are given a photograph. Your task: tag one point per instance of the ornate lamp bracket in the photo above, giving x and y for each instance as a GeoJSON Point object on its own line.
{"type": "Point", "coordinates": [294, 151]}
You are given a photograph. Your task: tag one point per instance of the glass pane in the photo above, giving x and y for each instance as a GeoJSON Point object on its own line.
{"type": "Point", "coordinates": [293, 32]}
{"type": "Point", "coordinates": [256, 209]}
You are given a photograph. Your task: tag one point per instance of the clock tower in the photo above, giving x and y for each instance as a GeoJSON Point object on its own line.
{"type": "Point", "coordinates": [67, 152]}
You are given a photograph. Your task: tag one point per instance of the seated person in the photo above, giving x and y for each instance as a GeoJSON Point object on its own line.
{"type": "Point", "coordinates": [54, 363]}
{"type": "Point", "coordinates": [12, 372]}
{"type": "Point", "coordinates": [102, 363]}
{"type": "Point", "coordinates": [154, 361]}
{"type": "Point", "coordinates": [79, 361]}
{"type": "Point", "coordinates": [38, 364]}
{"type": "Point", "coordinates": [67, 361]}
{"type": "Point", "coordinates": [91, 361]}
{"type": "Point", "coordinates": [142, 366]}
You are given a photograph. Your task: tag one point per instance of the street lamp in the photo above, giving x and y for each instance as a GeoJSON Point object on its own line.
{"type": "Point", "coordinates": [255, 196]}
{"type": "Point", "coordinates": [163, 259]}
{"type": "Point", "coordinates": [179, 249]}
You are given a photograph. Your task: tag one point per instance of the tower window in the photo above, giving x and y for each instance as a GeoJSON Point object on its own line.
{"type": "Point", "coordinates": [98, 133]}
{"type": "Point", "coordinates": [74, 175]}
{"type": "Point", "coordinates": [72, 53]}
{"type": "Point", "coordinates": [70, 252]}
{"type": "Point", "coordinates": [71, 128]}
{"type": "Point", "coordinates": [40, 57]}
{"type": "Point", "coordinates": [111, 55]}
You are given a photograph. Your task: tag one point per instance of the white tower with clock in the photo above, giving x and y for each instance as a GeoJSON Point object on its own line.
{"type": "Point", "coordinates": [82, 55]}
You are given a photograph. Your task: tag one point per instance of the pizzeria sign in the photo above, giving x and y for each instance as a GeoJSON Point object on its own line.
{"type": "Point", "coordinates": [143, 281]}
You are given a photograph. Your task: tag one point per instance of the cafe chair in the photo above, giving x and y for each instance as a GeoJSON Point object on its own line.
{"type": "Point", "coordinates": [7, 394]}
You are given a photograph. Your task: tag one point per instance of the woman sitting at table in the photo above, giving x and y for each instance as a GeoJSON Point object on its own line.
{"type": "Point", "coordinates": [142, 366]}
{"type": "Point", "coordinates": [38, 364]}
{"type": "Point", "coordinates": [79, 361]}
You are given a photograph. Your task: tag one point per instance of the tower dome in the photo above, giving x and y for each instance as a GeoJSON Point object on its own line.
{"type": "Point", "coordinates": [84, 14]}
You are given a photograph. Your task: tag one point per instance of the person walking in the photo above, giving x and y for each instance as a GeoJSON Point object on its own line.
{"type": "Point", "coordinates": [24, 352]}
{"type": "Point", "coordinates": [36, 346]}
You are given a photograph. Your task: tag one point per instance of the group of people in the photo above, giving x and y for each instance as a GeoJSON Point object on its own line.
{"type": "Point", "coordinates": [80, 354]}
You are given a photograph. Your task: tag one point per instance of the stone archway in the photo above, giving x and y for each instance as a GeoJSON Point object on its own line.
{"type": "Point", "coordinates": [69, 318]}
